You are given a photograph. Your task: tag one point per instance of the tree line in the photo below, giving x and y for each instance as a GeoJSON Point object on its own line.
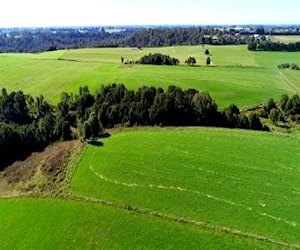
{"type": "Point", "coordinates": [39, 40]}
{"type": "Point", "coordinates": [48, 39]}
{"type": "Point", "coordinates": [292, 66]}
{"type": "Point", "coordinates": [29, 124]}
{"type": "Point", "coordinates": [266, 45]}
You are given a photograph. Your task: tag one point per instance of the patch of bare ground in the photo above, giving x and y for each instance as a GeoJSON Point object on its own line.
{"type": "Point", "coordinates": [41, 173]}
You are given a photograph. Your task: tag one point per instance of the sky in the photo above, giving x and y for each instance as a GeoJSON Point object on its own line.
{"type": "Point", "coordinates": [41, 13]}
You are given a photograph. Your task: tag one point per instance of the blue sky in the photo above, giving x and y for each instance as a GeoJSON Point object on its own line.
{"type": "Point", "coordinates": [20, 13]}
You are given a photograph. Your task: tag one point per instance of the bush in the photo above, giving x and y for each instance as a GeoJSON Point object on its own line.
{"type": "Point", "coordinates": [274, 115]}
{"type": "Point", "coordinates": [191, 61]}
{"type": "Point", "coordinates": [283, 66]}
{"type": "Point", "coordinates": [294, 66]}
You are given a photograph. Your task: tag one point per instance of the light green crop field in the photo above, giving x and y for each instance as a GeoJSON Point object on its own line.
{"type": "Point", "coordinates": [286, 39]}
{"type": "Point", "coordinates": [243, 180]}
{"type": "Point", "coordinates": [236, 75]}
{"type": "Point", "coordinates": [62, 224]}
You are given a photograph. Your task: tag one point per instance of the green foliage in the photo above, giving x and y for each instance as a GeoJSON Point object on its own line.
{"type": "Point", "coordinates": [283, 66]}
{"type": "Point", "coordinates": [191, 61]}
{"type": "Point", "coordinates": [208, 60]}
{"type": "Point", "coordinates": [254, 121]}
{"type": "Point", "coordinates": [267, 108]}
{"type": "Point", "coordinates": [274, 115]}
{"type": "Point", "coordinates": [158, 59]}
{"type": "Point", "coordinates": [267, 45]}
{"type": "Point", "coordinates": [92, 127]}
{"type": "Point", "coordinates": [231, 116]}
{"type": "Point", "coordinates": [292, 66]}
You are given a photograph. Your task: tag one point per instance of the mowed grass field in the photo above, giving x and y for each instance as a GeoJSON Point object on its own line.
{"type": "Point", "coordinates": [236, 75]}
{"type": "Point", "coordinates": [243, 180]}
{"type": "Point", "coordinates": [64, 224]}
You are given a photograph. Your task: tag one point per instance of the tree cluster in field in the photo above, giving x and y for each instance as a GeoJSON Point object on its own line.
{"type": "Point", "coordinates": [292, 66]}
{"type": "Point", "coordinates": [158, 59]}
{"type": "Point", "coordinates": [191, 61]}
{"type": "Point", "coordinates": [266, 45]}
{"type": "Point", "coordinates": [286, 109]}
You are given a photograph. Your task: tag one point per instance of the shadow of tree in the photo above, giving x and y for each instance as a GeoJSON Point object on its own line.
{"type": "Point", "coordinates": [96, 143]}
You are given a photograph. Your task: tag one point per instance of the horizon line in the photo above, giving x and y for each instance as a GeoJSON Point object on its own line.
{"type": "Point", "coordinates": [153, 25]}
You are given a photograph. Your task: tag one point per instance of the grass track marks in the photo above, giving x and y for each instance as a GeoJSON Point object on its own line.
{"type": "Point", "coordinates": [291, 84]}
{"type": "Point", "coordinates": [183, 220]}
{"type": "Point", "coordinates": [182, 189]}
{"type": "Point", "coordinates": [190, 172]}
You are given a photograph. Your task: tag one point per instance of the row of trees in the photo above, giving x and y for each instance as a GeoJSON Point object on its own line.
{"type": "Point", "coordinates": [28, 124]}
{"type": "Point", "coordinates": [183, 36]}
{"type": "Point", "coordinates": [37, 40]}
{"type": "Point", "coordinates": [292, 66]}
{"type": "Point", "coordinates": [267, 45]}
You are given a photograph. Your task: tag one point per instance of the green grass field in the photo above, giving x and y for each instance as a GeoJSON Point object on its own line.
{"type": "Point", "coordinates": [228, 178]}
{"type": "Point", "coordinates": [58, 224]}
{"type": "Point", "coordinates": [241, 77]}
{"type": "Point", "coordinates": [171, 188]}
{"type": "Point", "coordinates": [286, 39]}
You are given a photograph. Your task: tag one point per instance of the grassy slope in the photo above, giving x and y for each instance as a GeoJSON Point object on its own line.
{"type": "Point", "coordinates": [81, 225]}
{"type": "Point", "coordinates": [238, 179]}
{"type": "Point", "coordinates": [228, 83]}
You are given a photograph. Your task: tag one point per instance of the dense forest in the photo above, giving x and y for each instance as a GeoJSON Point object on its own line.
{"type": "Point", "coordinates": [28, 124]}
{"type": "Point", "coordinates": [47, 39]}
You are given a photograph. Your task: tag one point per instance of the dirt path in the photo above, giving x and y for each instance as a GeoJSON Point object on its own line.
{"type": "Point", "coordinates": [291, 84]}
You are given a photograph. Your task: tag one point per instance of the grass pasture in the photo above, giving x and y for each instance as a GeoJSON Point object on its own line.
{"type": "Point", "coordinates": [63, 224]}
{"type": "Point", "coordinates": [241, 77]}
{"type": "Point", "coordinates": [242, 180]}
{"type": "Point", "coordinates": [286, 39]}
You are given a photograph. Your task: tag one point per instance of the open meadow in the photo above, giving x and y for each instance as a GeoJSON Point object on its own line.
{"type": "Point", "coordinates": [247, 181]}
{"type": "Point", "coordinates": [168, 188]}
{"type": "Point", "coordinates": [65, 224]}
{"type": "Point", "coordinates": [235, 76]}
